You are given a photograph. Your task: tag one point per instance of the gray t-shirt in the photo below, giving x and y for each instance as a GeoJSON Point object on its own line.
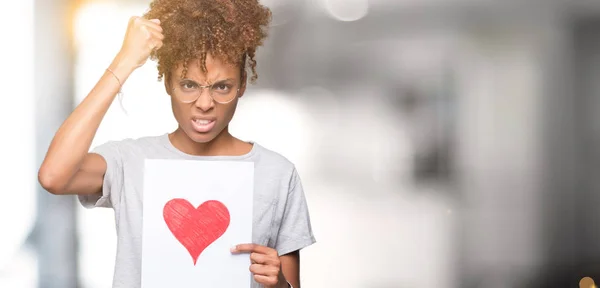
{"type": "Point", "coordinates": [280, 214]}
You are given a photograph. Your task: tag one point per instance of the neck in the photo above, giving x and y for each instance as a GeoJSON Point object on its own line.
{"type": "Point", "coordinates": [219, 146]}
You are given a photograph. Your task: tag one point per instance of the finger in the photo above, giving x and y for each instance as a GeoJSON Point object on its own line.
{"type": "Point", "coordinates": [264, 259]}
{"type": "Point", "coordinates": [265, 270]}
{"type": "Point", "coordinates": [154, 38]}
{"type": "Point", "coordinates": [158, 45]}
{"type": "Point", "coordinates": [153, 29]}
{"type": "Point", "coordinates": [156, 35]}
{"type": "Point", "coordinates": [152, 24]}
{"type": "Point", "coordinates": [146, 24]}
{"type": "Point", "coordinates": [266, 280]}
{"type": "Point", "coordinates": [134, 19]}
{"type": "Point", "coordinates": [249, 248]}
{"type": "Point", "coordinates": [154, 47]}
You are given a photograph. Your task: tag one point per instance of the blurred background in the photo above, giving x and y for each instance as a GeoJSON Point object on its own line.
{"type": "Point", "coordinates": [442, 143]}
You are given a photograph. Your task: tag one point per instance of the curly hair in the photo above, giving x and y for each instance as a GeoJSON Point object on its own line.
{"type": "Point", "coordinates": [230, 30]}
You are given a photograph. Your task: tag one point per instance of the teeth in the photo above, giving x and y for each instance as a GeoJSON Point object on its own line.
{"type": "Point", "coordinates": [202, 122]}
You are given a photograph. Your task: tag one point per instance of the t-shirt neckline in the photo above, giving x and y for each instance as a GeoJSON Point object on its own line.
{"type": "Point", "coordinates": [167, 143]}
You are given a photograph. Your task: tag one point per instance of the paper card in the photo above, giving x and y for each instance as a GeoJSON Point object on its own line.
{"type": "Point", "coordinates": [194, 211]}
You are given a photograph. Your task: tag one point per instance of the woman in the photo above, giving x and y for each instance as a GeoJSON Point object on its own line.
{"type": "Point", "coordinates": [203, 48]}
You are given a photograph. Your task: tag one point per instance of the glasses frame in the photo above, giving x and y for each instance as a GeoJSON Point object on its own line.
{"type": "Point", "coordinates": [202, 87]}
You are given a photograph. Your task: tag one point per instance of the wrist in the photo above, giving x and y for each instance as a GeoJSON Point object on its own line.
{"type": "Point", "coordinates": [122, 67]}
{"type": "Point", "coordinates": [283, 283]}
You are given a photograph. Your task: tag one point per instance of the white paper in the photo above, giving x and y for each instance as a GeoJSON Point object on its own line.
{"type": "Point", "coordinates": [165, 260]}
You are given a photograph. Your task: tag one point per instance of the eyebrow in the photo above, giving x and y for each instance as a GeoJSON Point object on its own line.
{"type": "Point", "coordinates": [218, 81]}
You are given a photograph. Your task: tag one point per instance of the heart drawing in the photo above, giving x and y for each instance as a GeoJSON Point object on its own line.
{"type": "Point", "coordinates": [196, 228]}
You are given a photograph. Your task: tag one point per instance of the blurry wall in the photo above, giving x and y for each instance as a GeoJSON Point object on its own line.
{"type": "Point", "coordinates": [499, 152]}
{"type": "Point", "coordinates": [441, 143]}
{"type": "Point", "coordinates": [17, 168]}
{"type": "Point", "coordinates": [587, 59]}
{"type": "Point", "coordinates": [571, 183]}
{"type": "Point", "coordinates": [54, 235]}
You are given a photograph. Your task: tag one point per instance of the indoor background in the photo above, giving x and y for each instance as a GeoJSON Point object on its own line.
{"type": "Point", "coordinates": [441, 143]}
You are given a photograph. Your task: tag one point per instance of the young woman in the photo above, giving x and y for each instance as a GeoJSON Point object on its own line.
{"type": "Point", "coordinates": [203, 49]}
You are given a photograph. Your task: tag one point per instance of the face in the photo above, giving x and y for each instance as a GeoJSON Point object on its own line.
{"type": "Point", "coordinates": [204, 119]}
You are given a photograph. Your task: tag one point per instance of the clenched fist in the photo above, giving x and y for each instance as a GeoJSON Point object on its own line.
{"type": "Point", "coordinates": [142, 37]}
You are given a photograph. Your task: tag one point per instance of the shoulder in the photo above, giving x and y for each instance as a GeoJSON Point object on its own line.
{"type": "Point", "coordinates": [132, 143]}
{"type": "Point", "coordinates": [129, 147]}
{"type": "Point", "coordinates": [269, 157]}
{"type": "Point", "coordinates": [274, 164]}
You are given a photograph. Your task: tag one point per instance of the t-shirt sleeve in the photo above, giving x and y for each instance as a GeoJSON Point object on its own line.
{"type": "Point", "coordinates": [295, 231]}
{"type": "Point", "coordinates": [113, 178]}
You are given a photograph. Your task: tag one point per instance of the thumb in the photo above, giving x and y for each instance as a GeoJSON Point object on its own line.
{"type": "Point", "coordinates": [157, 21]}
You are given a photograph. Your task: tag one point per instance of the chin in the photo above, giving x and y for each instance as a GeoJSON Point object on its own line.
{"type": "Point", "coordinates": [201, 138]}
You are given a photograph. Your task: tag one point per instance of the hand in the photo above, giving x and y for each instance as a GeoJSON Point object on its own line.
{"type": "Point", "coordinates": [265, 266]}
{"type": "Point", "coordinates": [142, 37]}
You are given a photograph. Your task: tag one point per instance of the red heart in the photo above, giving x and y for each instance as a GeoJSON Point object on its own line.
{"type": "Point", "coordinates": [196, 228]}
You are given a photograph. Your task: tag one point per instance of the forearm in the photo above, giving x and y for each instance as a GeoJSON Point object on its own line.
{"type": "Point", "coordinates": [73, 139]}
{"type": "Point", "coordinates": [290, 270]}
{"type": "Point", "coordinates": [287, 284]}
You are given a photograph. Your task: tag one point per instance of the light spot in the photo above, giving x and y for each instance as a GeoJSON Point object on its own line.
{"type": "Point", "coordinates": [347, 10]}
{"type": "Point", "coordinates": [587, 282]}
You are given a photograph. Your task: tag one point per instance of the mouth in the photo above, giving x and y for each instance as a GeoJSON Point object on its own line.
{"type": "Point", "coordinates": [203, 125]}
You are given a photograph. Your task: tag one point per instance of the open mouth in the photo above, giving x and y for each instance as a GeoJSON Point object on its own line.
{"type": "Point", "coordinates": [203, 125]}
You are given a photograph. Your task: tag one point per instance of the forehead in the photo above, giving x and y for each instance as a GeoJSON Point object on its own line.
{"type": "Point", "coordinates": [215, 70]}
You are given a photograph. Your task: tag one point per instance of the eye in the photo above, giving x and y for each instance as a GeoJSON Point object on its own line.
{"type": "Point", "coordinates": [188, 85]}
{"type": "Point", "coordinates": [222, 87]}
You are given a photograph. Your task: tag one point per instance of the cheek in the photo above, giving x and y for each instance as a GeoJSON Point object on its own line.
{"type": "Point", "coordinates": [227, 112]}
{"type": "Point", "coordinates": [178, 110]}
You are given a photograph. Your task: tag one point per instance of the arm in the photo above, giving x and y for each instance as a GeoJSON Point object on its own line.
{"type": "Point", "coordinates": [290, 266]}
{"type": "Point", "coordinates": [295, 232]}
{"type": "Point", "coordinates": [68, 168]}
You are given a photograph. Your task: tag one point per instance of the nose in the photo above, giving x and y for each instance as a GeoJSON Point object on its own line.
{"type": "Point", "coordinates": [204, 101]}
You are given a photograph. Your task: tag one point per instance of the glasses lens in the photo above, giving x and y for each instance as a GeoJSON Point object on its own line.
{"type": "Point", "coordinates": [187, 96]}
{"type": "Point", "coordinates": [223, 93]}
{"type": "Point", "coordinates": [189, 92]}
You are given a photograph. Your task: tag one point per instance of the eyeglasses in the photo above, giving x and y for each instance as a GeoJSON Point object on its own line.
{"type": "Point", "coordinates": [221, 92]}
